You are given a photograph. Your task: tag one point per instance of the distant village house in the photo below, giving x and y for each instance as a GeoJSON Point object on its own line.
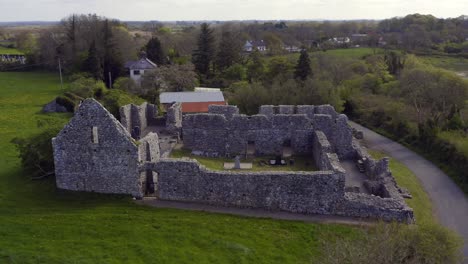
{"type": "Point", "coordinates": [251, 45]}
{"type": "Point", "coordinates": [139, 67]}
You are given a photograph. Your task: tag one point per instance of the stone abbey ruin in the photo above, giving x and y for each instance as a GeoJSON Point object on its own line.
{"type": "Point", "coordinates": [97, 153]}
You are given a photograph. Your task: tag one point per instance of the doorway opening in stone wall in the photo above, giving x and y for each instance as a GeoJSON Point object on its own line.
{"type": "Point", "coordinates": [287, 149]}
{"type": "Point", "coordinates": [250, 152]}
{"type": "Point", "coordinates": [150, 184]}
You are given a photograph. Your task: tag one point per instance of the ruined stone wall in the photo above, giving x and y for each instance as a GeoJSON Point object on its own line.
{"type": "Point", "coordinates": [222, 132]}
{"type": "Point", "coordinates": [321, 192]}
{"type": "Point", "coordinates": [148, 148]}
{"type": "Point", "coordinates": [174, 119]}
{"type": "Point", "coordinates": [95, 153]}
{"type": "Point", "coordinates": [227, 110]}
{"type": "Point", "coordinates": [325, 158]}
{"type": "Point", "coordinates": [298, 192]}
{"type": "Point", "coordinates": [371, 206]}
{"type": "Point", "coordinates": [215, 135]}
{"type": "Point", "coordinates": [142, 116]}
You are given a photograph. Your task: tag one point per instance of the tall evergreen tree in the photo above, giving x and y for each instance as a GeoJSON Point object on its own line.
{"type": "Point", "coordinates": [155, 52]}
{"type": "Point", "coordinates": [202, 57]}
{"type": "Point", "coordinates": [113, 64]}
{"type": "Point", "coordinates": [229, 50]}
{"type": "Point", "coordinates": [303, 69]}
{"type": "Point", "coordinates": [92, 64]}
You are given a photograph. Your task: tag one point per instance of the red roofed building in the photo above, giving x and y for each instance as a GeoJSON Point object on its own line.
{"type": "Point", "coordinates": [192, 102]}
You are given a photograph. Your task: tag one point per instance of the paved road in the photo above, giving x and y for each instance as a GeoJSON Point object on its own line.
{"type": "Point", "coordinates": [450, 203]}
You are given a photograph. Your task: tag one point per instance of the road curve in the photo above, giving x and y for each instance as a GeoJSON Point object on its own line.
{"type": "Point", "coordinates": [449, 202]}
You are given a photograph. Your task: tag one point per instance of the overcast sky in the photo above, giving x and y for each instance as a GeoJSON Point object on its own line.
{"type": "Point", "coordinates": [53, 10]}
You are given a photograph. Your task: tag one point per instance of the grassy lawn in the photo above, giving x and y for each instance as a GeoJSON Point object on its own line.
{"type": "Point", "coordinates": [459, 64]}
{"type": "Point", "coordinates": [457, 138]}
{"type": "Point", "coordinates": [301, 163]}
{"type": "Point", "coordinates": [421, 202]}
{"type": "Point", "coordinates": [39, 224]}
{"type": "Point", "coordinates": [4, 50]}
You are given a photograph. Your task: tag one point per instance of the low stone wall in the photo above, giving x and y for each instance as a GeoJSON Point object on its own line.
{"type": "Point", "coordinates": [371, 206]}
{"type": "Point", "coordinates": [381, 181]}
{"type": "Point", "coordinates": [297, 192]}
{"type": "Point", "coordinates": [321, 192]}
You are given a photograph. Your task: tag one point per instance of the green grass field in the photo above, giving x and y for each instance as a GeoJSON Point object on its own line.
{"type": "Point", "coordinates": [39, 224]}
{"type": "Point", "coordinates": [450, 63]}
{"type": "Point", "coordinates": [7, 51]}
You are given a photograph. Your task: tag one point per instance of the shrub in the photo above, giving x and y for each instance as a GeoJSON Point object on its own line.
{"type": "Point", "coordinates": [66, 102]}
{"type": "Point", "coordinates": [114, 99]}
{"type": "Point", "coordinates": [397, 244]}
{"type": "Point", "coordinates": [36, 152]}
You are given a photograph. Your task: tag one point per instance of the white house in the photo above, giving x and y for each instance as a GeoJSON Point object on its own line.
{"type": "Point", "coordinates": [250, 45]}
{"type": "Point", "coordinates": [139, 67]}
{"type": "Point", "coordinates": [340, 40]}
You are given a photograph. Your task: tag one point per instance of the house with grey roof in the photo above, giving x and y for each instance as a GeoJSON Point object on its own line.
{"type": "Point", "coordinates": [250, 45]}
{"type": "Point", "coordinates": [139, 67]}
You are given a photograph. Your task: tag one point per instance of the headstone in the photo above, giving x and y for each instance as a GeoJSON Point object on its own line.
{"type": "Point", "coordinates": [237, 165]}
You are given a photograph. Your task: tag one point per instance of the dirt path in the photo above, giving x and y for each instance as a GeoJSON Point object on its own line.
{"type": "Point", "coordinates": [450, 203]}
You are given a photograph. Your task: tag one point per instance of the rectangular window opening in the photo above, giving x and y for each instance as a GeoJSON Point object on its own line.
{"type": "Point", "coordinates": [95, 135]}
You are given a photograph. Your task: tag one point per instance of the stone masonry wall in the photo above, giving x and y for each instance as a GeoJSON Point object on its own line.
{"type": "Point", "coordinates": [298, 192]}
{"type": "Point", "coordinates": [223, 132]}
{"type": "Point", "coordinates": [174, 119]}
{"type": "Point", "coordinates": [95, 153]}
{"type": "Point", "coordinates": [321, 192]}
{"type": "Point", "coordinates": [142, 116]}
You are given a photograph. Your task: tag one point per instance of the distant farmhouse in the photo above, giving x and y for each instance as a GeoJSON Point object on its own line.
{"type": "Point", "coordinates": [251, 45]}
{"type": "Point", "coordinates": [340, 40]}
{"type": "Point", "coordinates": [139, 67]}
{"type": "Point", "coordinates": [291, 48]}
{"type": "Point", "coordinates": [193, 102]}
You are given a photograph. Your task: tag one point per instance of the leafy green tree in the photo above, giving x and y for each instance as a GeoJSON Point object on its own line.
{"type": "Point", "coordinates": [92, 64]}
{"type": "Point", "coordinates": [255, 67]}
{"type": "Point", "coordinates": [36, 152]}
{"type": "Point", "coordinates": [279, 68]}
{"type": "Point", "coordinates": [203, 56]}
{"type": "Point", "coordinates": [155, 52]}
{"type": "Point", "coordinates": [303, 69]}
